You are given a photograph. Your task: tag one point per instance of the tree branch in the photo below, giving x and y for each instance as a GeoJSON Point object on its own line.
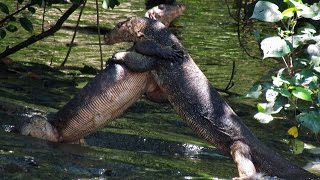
{"type": "Point", "coordinates": [11, 15]}
{"type": "Point", "coordinates": [42, 35]}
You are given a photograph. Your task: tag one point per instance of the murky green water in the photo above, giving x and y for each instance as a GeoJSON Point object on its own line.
{"type": "Point", "coordinates": [147, 142]}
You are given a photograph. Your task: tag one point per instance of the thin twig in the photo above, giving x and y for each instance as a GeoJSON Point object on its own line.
{"type": "Point", "coordinates": [239, 31]}
{"type": "Point", "coordinates": [226, 2]}
{"type": "Point", "coordinates": [40, 36]}
{"type": "Point", "coordinates": [74, 35]}
{"type": "Point", "coordinates": [285, 62]}
{"type": "Point", "coordinates": [230, 84]}
{"type": "Point", "coordinates": [43, 14]}
{"type": "Point", "coordinates": [98, 25]}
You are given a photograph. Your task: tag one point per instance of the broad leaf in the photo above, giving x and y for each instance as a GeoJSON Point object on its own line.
{"type": "Point", "coordinates": [4, 8]}
{"type": "Point", "coordinates": [310, 120]}
{"type": "Point", "coordinates": [3, 33]}
{"type": "Point", "coordinates": [263, 117]}
{"type": "Point", "coordinates": [262, 107]}
{"type": "Point", "coordinates": [271, 95]}
{"type": "Point", "coordinates": [297, 40]}
{"type": "Point", "coordinates": [303, 10]}
{"type": "Point", "coordinates": [297, 146]}
{"type": "Point", "coordinates": [255, 91]}
{"type": "Point", "coordinates": [302, 93]}
{"type": "Point", "coordinates": [11, 28]}
{"type": "Point", "coordinates": [293, 131]}
{"type": "Point", "coordinates": [275, 47]}
{"type": "Point", "coordinates": [266, 11]}
{"type": "Point", "coordinates": [288, 13]}
{"type": "Point", "coordinates": [316, 8]}
{"type": "Point", "coordinates": [26, 24]}
{"type": "Point", "coordinates": [283, 91]}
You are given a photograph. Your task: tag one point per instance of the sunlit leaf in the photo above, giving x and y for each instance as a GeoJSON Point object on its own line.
{"type": "Point", "coordinates": [263, 117]}
{"type": "Point", "coordinates": [302, 93]}
{"type": "Point", "coordinates": [255, 91]}
{"type": "Point", "coordinates": [262, 107]}
{"type": "Point", "coordinates": [303, 10]}
{"type": "Point", "coordinates": [271, 95]}
{"type": "Point", "coordinates": [3, 33]}
{"type": "Point", "coordinates": [297, 40]}
{"type": "Point", "coordinates": [4, 8]}
{"type": "Point", "coordinates": [288, 13]}
{"type": "Point", "coordinates": [275, 47]}
{"type": "Point", "coordinates": [266, 11]}
{"type": "Point", "coordinates": [11, 28]}
{"type": "Point", "coordinates": [283, 91]}
{"type": "Point", "coordinates": [310, 120]}
{"type": "Point", "coordinates": [26, 24]}
{"type": "Point", "coordinates": [297, 146]}
{"type": "Point", "coordinates": [293, 131]}
{"type": "Point", "coordinates": [316, 8]}
{"type": "Point", "coordinates": [277, 106]}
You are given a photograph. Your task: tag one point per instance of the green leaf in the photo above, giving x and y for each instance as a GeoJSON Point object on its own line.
{"type": "Point", "coordinates": [262, 107]}
{"type": "Point", "coordinates": [275, 47]}
{"type": "Point", "coordinates": [3, 33]}
{"type": "Point", "coordinates": [297, 146]}
{"type": "Point", "coordinates": [4, 8]}
{"type": "Point", "coordinates": [302, 93]}
{"type": "Point", "coordinates": [298, 40]}
{"type": "Point", "coordinates": [310, 120]}
{"type": "Point", "coordinates": [255, 91]}
{"type": "Point", "coordinates": [106, 4]}
{"type": "Point", "coordinates": [32, 10]}
{"type": "Point", "coordinates": [283, 91]}
{"type": "Point", "coordinates": [303, 10]}
{"type": "Point", "coordinates": [288, 13]}
{"type": "Point", "coordinates": [20, 1]}
{"type": "Point", "coordinates": [11, 28]}
{"type": "Point", "coordinates": [26, 24]}
{"type": "Point", "coordinates": [263, 117]}
{"type": "Point", "coordinates": [271, 95]}
{"type": "Point", "coordinates": [266, 11]}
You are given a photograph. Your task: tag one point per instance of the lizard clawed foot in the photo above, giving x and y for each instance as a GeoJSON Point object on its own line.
{"type": "Point", "coordinates": [172, 54]}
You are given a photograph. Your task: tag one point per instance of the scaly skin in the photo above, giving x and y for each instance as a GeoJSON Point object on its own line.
{"type": "Point", "coordinates": [103, 99]}
{"type": "Point", "coordinates": [165, 13]}
{"type": "Point", "coordinates": [197, 102]}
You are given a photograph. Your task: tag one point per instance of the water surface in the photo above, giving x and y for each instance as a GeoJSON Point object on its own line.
{"type": "Point", "coordinates": [149, 141]}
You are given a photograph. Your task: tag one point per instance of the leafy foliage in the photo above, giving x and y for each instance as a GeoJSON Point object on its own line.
{"type": "Point", "coordinates": [295, 90]}
{"type": "Point", "coordinates": [22, 17]}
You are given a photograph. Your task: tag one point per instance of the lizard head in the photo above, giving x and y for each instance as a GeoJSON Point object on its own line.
{"type": "Point", "coordinates": [135, 29]}
{"type": "Point", "coordinates": [165, 13]}
{"type": "Point", "coordinates": [130, 30]}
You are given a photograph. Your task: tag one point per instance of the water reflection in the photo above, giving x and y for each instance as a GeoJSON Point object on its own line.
{"type": "Point", "coordinates": [142, 144]}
